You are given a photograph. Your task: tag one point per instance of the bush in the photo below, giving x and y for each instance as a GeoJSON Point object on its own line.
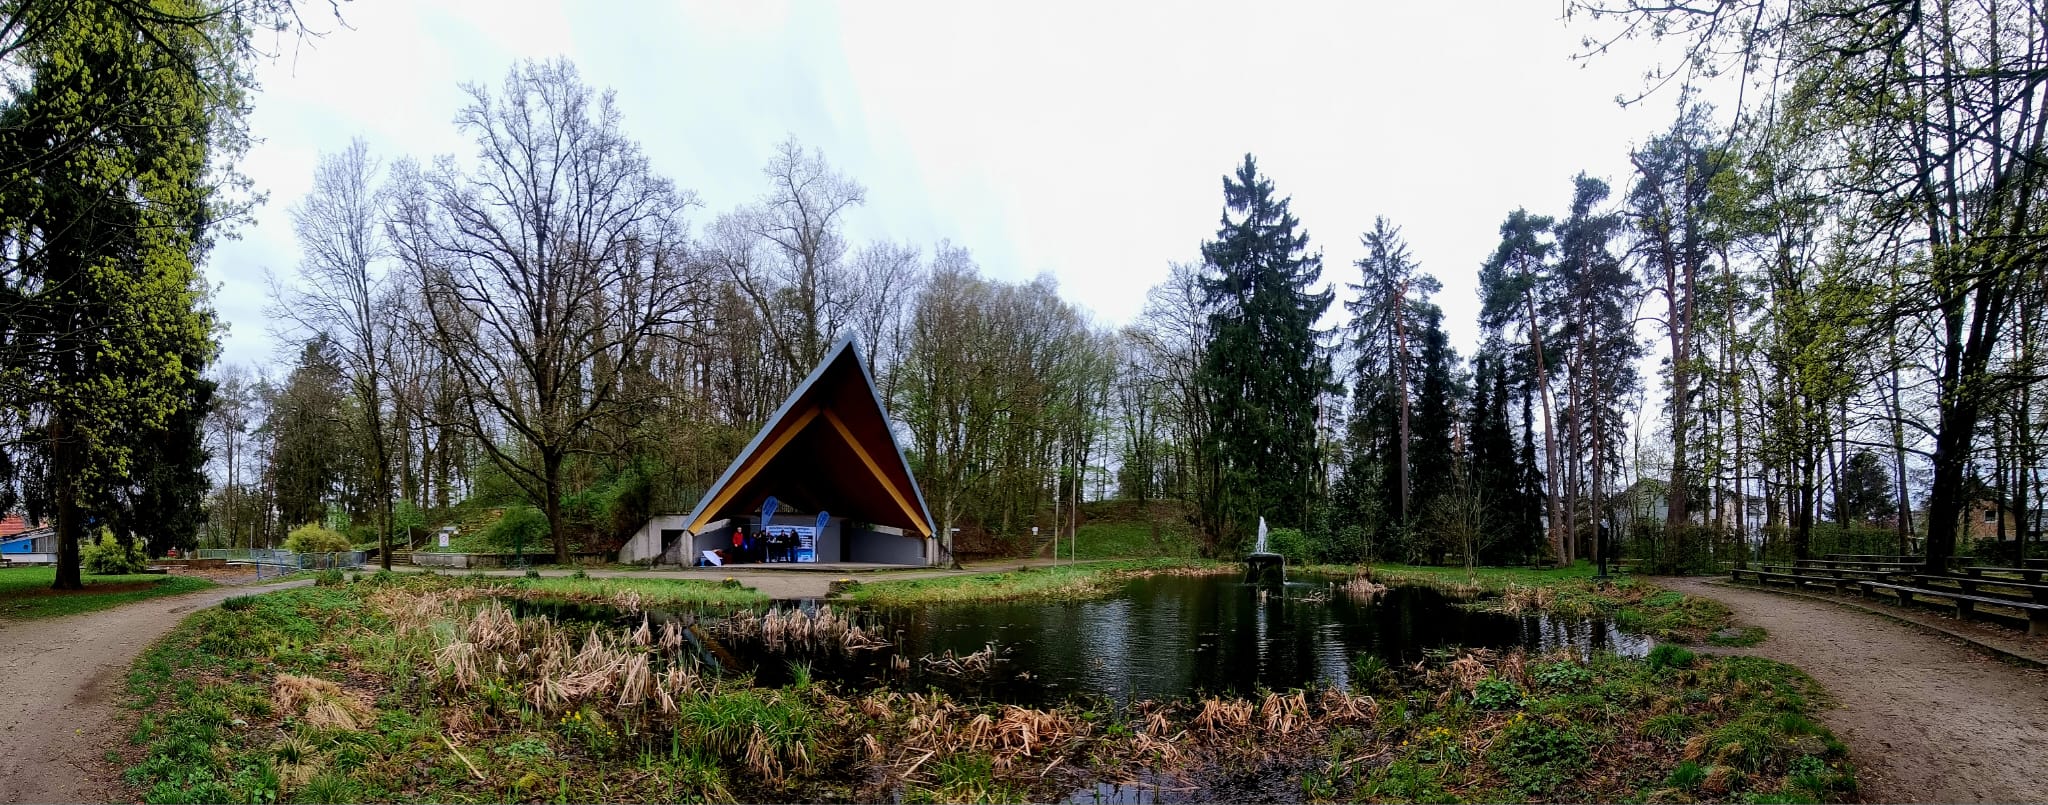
{"type": "Point", "coordinates": [521, 527]}
{"type": "Point", "coordinates": [109, 557]}
{"type": "Point", "coordinates": [331, 577]}
{"type": "Point", "coordinates": [1295, 545]}
{"type": "Point", "coordinates": [315, 538]}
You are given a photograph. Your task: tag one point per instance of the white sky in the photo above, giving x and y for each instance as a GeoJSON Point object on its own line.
{"type": "Point", "coordinates": [1087, 140]}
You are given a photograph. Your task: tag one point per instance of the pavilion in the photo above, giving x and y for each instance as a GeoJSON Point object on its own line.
{"type": "Point", "coordinates": [828, 459]}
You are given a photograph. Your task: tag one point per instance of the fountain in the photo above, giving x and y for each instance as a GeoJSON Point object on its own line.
{"type": "Point", "coordinates": [1264, 567]}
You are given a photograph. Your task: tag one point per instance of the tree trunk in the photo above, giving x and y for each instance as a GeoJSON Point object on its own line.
{"type": "Point", "coordinates": [1555, 527]}
{"type": "Point", "coordinates": [63, 469]}
{"type": "Point", "coordinates": [551, 464]}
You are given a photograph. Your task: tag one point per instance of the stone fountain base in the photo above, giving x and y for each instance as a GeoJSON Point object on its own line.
{"type": "Point", "coordinates": [1265, 569]}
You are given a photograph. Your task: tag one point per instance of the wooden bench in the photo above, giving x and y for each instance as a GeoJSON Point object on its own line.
{"type": "Point", "coordinates": [1838, 572]}
{"type": "Point", "coordinates": [1891, 558]}
{"type": "Point", "coordinates": [2031, 575]}
{"type": "Point", "coordinates": [2036, 615]}
{"type": "Point", "coordinates": [1796, 579]}
{"type": "Point", "coordinates": [2029, 593]}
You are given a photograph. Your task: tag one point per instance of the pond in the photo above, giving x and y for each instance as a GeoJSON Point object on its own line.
{"type": "Point", "coordinates": [1160, 637]}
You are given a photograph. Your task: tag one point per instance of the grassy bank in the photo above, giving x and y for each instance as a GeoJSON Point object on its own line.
{"type": "Point", "coordinates": [25, 591]}
{"type": "Point", "coordinates": [406, 690]}
{"type": "Point", "coordinates": [1635, 605]}
{"type": "Point", "coordinates": [652, 592]}
{"type": "Point", "coordinates": [1065, 581]}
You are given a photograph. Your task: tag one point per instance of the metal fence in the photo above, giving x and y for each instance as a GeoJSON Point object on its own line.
{"type": "Point", "coordinates": [279, 558]}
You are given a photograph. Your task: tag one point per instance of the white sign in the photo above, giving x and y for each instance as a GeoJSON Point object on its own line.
{"type": "Point", "coordinates": [444, 539]}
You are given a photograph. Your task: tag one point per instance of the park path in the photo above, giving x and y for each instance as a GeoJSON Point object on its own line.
{"type": "Point", "coordinates": [64, 679]}
{"type": "Point", "coordinates": [1926, 718]}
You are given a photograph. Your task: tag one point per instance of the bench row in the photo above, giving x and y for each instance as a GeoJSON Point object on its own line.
{"type": "Point", "coordinates": [1965, 599]}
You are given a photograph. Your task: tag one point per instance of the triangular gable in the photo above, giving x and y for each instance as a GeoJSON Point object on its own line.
{"type": "Point", "coordinates": [829, 447]}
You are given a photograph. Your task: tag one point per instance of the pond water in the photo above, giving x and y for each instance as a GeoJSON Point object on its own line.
{"type": "Point", "coordinates": [1157, 638]}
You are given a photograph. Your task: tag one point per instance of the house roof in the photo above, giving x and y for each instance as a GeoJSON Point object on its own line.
{"type": "Point", "coordinates": [11, 525]}
{"type": "Point", "coordinates": [829, 447]}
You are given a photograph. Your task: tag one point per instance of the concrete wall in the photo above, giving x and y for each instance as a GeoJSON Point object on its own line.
{"type": "Point", "coordinates": [645, 545]}
{"type": "Point", "coordinates": [885, 548]}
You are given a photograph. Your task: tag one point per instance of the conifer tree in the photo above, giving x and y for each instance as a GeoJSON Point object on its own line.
{"type": "Point", "coordinates": [1262, 370]}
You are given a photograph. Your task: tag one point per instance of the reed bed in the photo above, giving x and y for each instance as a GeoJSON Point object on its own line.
{"type": "Point", "coordinates": [800, 627]}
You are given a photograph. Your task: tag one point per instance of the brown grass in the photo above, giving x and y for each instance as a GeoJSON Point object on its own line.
{"type": "Point", "coordinates": [320, 703]}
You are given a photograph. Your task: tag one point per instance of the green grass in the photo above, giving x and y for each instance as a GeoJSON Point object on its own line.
{"type": "Point", "coordinates": [676, 592]}
{"type": "Point", "coordinates": [1491, 579]}
{"type": "Point", "coordinates": [1083, 580]}
{"type": "Point", "coordinates": [1131, 540]}
{"type": "Point", "coordinates": [25, 592]}
{"type": "Point", "coordinates": [1633, 604]}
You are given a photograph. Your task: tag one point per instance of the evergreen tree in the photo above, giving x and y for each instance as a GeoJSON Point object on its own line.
{"type": "Point", "coordinates": [1433, 458]}
{"type": "Point", "coordinates": [304, 426]}
{"type": "Point", "coordinates": [109, 137]}
{"type": "Point", "coordinates": [1262, 370]}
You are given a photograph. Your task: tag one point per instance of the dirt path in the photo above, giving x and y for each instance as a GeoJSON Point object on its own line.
{"type": "Point", "coordinates": [1927, 719]}
{"type": "Point", "coordinates": [63, 678]}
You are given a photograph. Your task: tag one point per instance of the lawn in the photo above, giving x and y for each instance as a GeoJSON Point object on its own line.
{"type": "Point", "coordinates": [1084, 580]}
{"type": "Point", "coordinates": [1130, 540]}
{"type": "Point", "coordinates": [652, 592]}
{"type": "Point", "coordinates": [25, 592]}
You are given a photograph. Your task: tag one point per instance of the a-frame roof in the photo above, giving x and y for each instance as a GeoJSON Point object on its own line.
{"type": "Point", "coordinates": [828, 448]}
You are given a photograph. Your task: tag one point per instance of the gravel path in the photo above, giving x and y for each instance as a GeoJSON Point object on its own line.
{"type": "Point", "coordinates": [64, 677]}
{"type": "Point", "coordinates": [1926, 718]}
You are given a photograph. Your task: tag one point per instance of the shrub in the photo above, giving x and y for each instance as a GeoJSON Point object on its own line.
{"type": "Point", "coordinates": [109, 557]}
{"type": "Point", "coordinates": [331, 577]}
{"type": "Point", "coordinates": [1538, 757]}
{"type": "Point", "coordinates": [315, 538]}
{"type": "Point", "coordinates": [238, 603]}
{"type": "Point", "coordinates": [522, 527]}
{"type": "Point", "coordinates": [1295, 545]}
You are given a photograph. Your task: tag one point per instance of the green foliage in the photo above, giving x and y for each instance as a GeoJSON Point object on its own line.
{"type": "Point", "coordinates": [108, 557]}
{"type": "Point", "coordinates": [523, 527]}
{"type": "Point", "coordinates": [315, 538]}
{"type": "Point", "coordinates": [1294, 545]}
{"type": "Point", "coordinates": [1667, 656]}
{"type": "Point", "coordinates": [1495, 693]}
{"type": "Point", "coordinates": [1562, 675]}
{"type": "Point", "coordinates": [1538, 756]}
{"type": "Point", "coordinates": [1686, 776]}
{"type": "Point", "coordinates": [330, 577]}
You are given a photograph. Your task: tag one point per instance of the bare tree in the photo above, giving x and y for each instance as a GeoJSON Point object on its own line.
{"type": "Point", "coordinates": [339, 292]}
{"type": "Point", "coordinates": [548, 269]}
{"type": "Point", "coordinates": [800, 286]}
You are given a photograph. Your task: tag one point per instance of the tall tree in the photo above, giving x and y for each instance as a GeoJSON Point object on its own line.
{"type": "Point", "coordinates": [1263, 370]}
{"type": "Point", "coordinates": [547, 269]}
{"type": "Point", "coordinates": [340, 294]}
{"type": "Point", "coordinates": [103, 225]}
{"type": "Point", "coordinates": [1669, 209]}
{"type": "Point", "coordinates": [1509, 286]}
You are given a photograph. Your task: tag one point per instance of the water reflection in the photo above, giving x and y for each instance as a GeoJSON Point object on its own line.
{"type": "Point", "coordinates": [1168, 636]}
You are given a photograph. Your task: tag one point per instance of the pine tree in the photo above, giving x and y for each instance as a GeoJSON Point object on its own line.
{"type": "Point", "coordinates": [1262, 370]}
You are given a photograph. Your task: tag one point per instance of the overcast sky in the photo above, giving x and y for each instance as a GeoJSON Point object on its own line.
{"type": "Point", "coordinates": [1084, 140]}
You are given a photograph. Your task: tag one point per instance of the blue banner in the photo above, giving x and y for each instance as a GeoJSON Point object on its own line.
{"type": "Point", "coordinates": [823, 517]}
{"type": "Point", "coordinates": [767, 511]}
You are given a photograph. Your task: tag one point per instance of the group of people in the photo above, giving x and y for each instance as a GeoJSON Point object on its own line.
{"type": "Point", "coordinates": [767, 546]}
